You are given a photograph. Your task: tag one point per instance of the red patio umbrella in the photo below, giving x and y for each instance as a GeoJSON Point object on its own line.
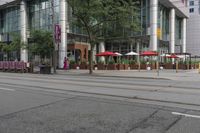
{"type": "Point", "coordinates": [149, 53]}
{"type": "Point", "coordinates": [172, 56]}
{"type": "Point", "coordinates": [106, 53]}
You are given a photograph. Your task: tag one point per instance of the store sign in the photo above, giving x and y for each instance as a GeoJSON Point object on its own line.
{"type": "Point", "coordinates": [57, 33]}
{"type": "Point", "coordinates": [159, 33]}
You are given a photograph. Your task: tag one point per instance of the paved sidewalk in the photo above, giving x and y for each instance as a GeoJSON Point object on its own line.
{"type": "Point", "coordinates": [182, 75]}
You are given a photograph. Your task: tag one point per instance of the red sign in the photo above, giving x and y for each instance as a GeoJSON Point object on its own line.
{"type": "Point", "coordinates": [57, 33]}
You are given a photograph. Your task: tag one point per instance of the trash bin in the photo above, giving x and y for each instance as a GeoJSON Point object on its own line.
{"type": "Point", "coordinates": [44, 69]}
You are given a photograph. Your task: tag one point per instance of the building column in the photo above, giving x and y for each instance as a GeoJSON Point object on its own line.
{"type": "Point", "coordinates": [154, 25]}
{"type": "Point", "coordinates": [102, 49]}
{"type": "Point", "coordinates": [172, 30]}
{"type": "Point", "coordinates": [63, 24]}
{"type": "Point", "coordinates": [23, 25]}
{"type": "Point", "coordinates": [184, 21]}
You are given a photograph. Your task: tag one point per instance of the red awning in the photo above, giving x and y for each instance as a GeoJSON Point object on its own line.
{"type": "Point", "coordinates": [172, 56]}
{"type": "Point", "coordinates": [106, 53]}
{"type": "Point", "coordinates": [149, 53]}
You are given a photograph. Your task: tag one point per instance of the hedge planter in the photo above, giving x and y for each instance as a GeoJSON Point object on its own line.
{"type": "Point", "coordinates": [133, 66]}
{"type": "Point", "coordinates": [126, 66]}
{"type": "Point", "coordinates": [111, 67]}
{"type": "Point", "coordinates": [143, 66]}
{"type": "Point", "coordinates": [153, 66]}
{"type": "Point", "coordinates": [73, 66]}
{"type": "Point", "coordinates": [168, 66]}
{"type": "Point", "coordinates": [182, 66]}
{"type": "Point", "coordinates": [101, 66]}
{"type": "Point", "coordinates": [83, 66]}
{"type": "Point", "coordinates": [120, 67]}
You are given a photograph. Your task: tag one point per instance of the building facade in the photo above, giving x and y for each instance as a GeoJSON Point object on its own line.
{"type": "Point", "coordinates": [193, 28]}
{"type": "Point", "coordinates": [163, 24]}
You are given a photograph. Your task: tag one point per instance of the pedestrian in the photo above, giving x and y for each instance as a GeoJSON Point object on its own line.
{"type": "Point", "coordinates": [65, 63]}
{"type": "Point", "coordinates": [68, 64]}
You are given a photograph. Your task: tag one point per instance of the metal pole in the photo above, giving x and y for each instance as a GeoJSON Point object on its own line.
{"type": "Point", "coordinates": [53, 31]}
{"type": "Point", "coordinates": [176, 66]}
{"type": "Point", "coordinates": [157, 64]}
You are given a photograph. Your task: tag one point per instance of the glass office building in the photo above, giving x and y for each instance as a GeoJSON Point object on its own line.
{"type": "Point", "coordinates": [163, 24]}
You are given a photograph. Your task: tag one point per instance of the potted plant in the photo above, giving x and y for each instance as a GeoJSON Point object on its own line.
{"type": "Point", "coordinates": [120, 66]}
{"type": "Point", "coordinates": [143, 65]}
{"type": "Point", "coordinates": [100, 65]}
{"type": "Point", "coordinates": [83, 65]}
{"type": "Point", "coordinates": [133, 64]}
{"type": "Point", "coordinates": [111, 65]}
{"type": "Point", "coordinates": [153, 64]}
{"type": "Point", "coordinates": [73, 64]}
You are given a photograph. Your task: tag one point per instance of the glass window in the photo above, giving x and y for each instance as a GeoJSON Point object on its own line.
{"type": "Point", "coordinates": [191, 3]}
{"type": "Point", "coordinates": [191, 10]}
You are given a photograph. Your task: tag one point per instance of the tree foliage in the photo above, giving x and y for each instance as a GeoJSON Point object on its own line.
{"type": "Point", "coordinates": [14, 46]}
{"type": "Point", "coordinates": [97, 17]}
{"type": "Point", "coordinates": [42, 43]}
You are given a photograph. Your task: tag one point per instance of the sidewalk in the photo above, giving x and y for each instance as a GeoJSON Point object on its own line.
{"type": "Point", "coordinates": [182, 75]}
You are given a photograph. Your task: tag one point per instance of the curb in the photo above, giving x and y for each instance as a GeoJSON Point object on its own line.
{"type": "Point", "coordinates": [115, 76]}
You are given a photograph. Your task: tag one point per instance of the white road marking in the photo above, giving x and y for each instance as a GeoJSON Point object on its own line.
{"type": "Point", "coordinates": [186, 115]}
{"type": "Point", "coordinates": [6, 89]}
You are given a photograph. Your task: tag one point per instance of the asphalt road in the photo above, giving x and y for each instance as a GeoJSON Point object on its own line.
{"type": "Point", "coordinates": [89, 104]}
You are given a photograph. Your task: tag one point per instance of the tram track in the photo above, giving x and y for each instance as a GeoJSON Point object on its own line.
{"type": "Point", "coordinates": [32, 87]}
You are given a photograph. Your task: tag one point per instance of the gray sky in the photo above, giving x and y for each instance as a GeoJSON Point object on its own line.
{"type": "Point", "coordinates": [5, 1]}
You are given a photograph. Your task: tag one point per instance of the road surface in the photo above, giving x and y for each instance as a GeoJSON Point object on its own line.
{"type": "Point", "coordinates": [31, 103]}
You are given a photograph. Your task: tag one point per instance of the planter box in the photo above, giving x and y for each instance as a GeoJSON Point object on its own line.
{"type": "Point", "coordinates": [126, 66]}
{"type": "Point", "coordinates": [120, 67]}
{"type": "Point", "coordinates": [182, 66]}
{"type": "Point", "coordinates": [45, 69]}
{"type": "Point", "coordinates": [83, 66]}
{"type": "Point", "coordinates": [153, 66]}
{"type": "Point", "coordinates": [101, 66]}
{"type": "Point", "coordinates": [143, 66]}
{"type": "Point", "coordinates": [111, 67]}
{"type": "Point", "coordinates": [168, 66]}
{"type": "Point", "coordinates": [73, 66]}
{"type": "Point", "coordinates": [194, 66]}
{"type": "Point", "coordinates": [134, 66]}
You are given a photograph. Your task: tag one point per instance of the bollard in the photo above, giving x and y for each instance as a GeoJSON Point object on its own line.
{"type": "Point", "coordinates": [199, 68]}
{"type": "Point", "coordinates": [157, 67]}
{"type": "Point", "coordinates": [139, 66]}
{"type": "Point", "coordinates": [176, 66]}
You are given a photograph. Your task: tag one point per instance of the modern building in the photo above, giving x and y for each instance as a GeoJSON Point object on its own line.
{"type": "Point", "coordinates": [163, 24]}
{"type": "Point", "coordinates": [193, 28]}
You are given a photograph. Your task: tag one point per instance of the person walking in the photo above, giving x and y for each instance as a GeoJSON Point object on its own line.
{"type": "Point", "coordinates": [65, 63]}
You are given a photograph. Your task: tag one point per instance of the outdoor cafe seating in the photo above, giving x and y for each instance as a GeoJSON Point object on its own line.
{"type": "Point", "coordinates": [15, 66]}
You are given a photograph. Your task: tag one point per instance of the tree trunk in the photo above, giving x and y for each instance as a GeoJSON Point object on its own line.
{"type": "Point", "coordinates": [91, 59]}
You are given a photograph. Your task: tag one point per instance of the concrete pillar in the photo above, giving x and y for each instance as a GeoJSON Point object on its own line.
{"type": "Point", "coordinates": [63, 24]}
{"type": "Point", "coordinates": [161, 25]}
{"type": "Point", "coordinates": [154, 25]}
{"type": "Point", "coordinates": [184, 21]}
{"type": "Point", "coordinates": [23, 25]}
{"type": "Point", "coordinates": [172, 30]}
{"type": "Point", "coordinates": [102, 49]}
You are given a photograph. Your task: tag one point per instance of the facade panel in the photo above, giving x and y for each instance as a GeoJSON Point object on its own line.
{"type": "Point", "coordinates": [193, 28]}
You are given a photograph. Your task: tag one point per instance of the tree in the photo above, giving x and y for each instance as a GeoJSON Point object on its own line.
{"type": "Point", "coordinates": [14, 46]}
{"type": "Point", "coordinates": [96, 17]}
{"type": "Point", "coordinates": [42, 44]}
